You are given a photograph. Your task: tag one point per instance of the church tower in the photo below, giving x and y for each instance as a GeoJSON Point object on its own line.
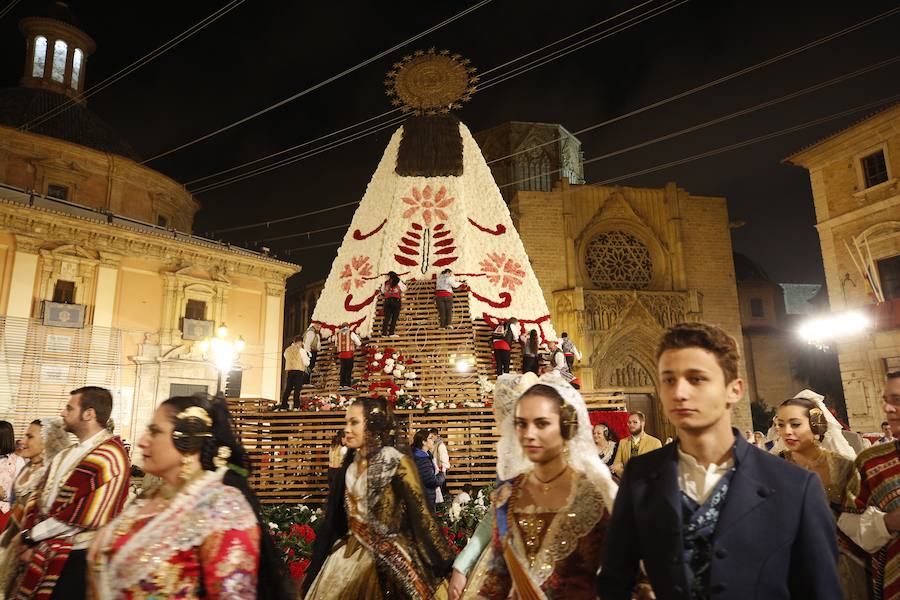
{"type": "Point", "coordinates": [56, 51]}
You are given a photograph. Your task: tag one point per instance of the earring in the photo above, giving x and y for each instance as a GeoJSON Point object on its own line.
{"type": "Point", "coordinates": [222, 456]}
{"type": "Point", "coordinates": [187, 468]}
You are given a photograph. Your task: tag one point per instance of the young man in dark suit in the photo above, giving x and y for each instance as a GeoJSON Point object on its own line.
{"type": "Point", "coordinates": [711, 516]}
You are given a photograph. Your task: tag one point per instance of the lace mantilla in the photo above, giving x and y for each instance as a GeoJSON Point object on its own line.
{"type": "Point", "coordinates": [206, 507]}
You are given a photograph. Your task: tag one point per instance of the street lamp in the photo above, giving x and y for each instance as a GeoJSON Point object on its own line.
{"type": "Point", "coordinates": [224, 352]}
{"type": "Point", "coordinates": [822, 330]}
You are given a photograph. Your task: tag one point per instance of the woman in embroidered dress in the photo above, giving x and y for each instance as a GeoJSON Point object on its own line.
{"type": "Point", "coordinates": [551, 510]}
{"type": "Point", "coordinates": [198, 535]}
{"type": "Point", "coordinates": [378, 539]}
{"type": "Point", "coordinates": [44, 438]}
{"type": "Point", "coordinates": [813, 440]}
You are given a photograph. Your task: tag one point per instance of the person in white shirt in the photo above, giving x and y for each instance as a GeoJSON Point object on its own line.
{"type": "Point", "coordinates": [443, 297]}
{"type": "Point", "coordinates": [570, 351]}
{"type": "Point", "coordinates": [710, 515]}
{"type": "Point", "coordinates": [296, 365]}
{"type": "Point", "coordinates": [312, 341]}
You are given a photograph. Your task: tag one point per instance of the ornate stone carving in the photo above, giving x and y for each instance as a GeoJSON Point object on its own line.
{"type": "Point", "coordinates": [629, 374]}
{"type": "Point", "coordinates": [604, 309]}
{"type": "Point", "coordinates": [617, 260]}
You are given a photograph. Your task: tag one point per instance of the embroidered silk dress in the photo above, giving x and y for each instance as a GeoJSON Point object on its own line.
{"type": "Point", "coordinates": [548, 554]}
{"type": "Point", "coordinates": [204, 544]}
{"type": "Point", "coordinates": [393, 547]}
{"type": "Point", "coordinates": [852, 559]}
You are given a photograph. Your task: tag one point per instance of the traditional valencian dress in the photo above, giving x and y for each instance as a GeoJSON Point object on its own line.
{"type": "Point", "coordinates": [382, 541]}
{"type": "Point", "coordinates": [203, 544]}
{"type": "Point", "coordinates": [89, 495]}
{"type": "Point", "coordinates": [547, 554]}
{"type": "Point", "coordinates": [852, 558]}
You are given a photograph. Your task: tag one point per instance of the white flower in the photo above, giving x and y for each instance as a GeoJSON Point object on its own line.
{"type": "Point", "coordinates": [401, 392]}
{"type": "Point", "coordinates": [376, 364]}
{"type": "Point", "coordinates": [479, 501]}
{"type": "Point", "coordinates": [378, 356]}
{"type": "Point", "coordinates": [451, 405]}
{"type": "Point", "coordinates": [410, 383]}
{"type": "Point", "coordinates": [313, 518]}
{"type": "Point", "coordinates": [388, 369]}
{"type": "Point", "coordinates": [273, 525]}
{"type": "Point", "coordinates": [399, 368]}
{"type": "Point", "coordinates": [455, 512]}
{"type": "Point", "coordinates": [411, 375]}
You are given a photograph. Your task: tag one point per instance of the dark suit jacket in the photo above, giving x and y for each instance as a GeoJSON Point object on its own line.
{"type": "Point", "coordinates": [430, 478]}
{"type": "Point", "coordinates": [775, 538]}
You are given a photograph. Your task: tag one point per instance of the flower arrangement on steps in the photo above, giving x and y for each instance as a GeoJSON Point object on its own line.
{"type": "Point", "coordinates": [296, 526]}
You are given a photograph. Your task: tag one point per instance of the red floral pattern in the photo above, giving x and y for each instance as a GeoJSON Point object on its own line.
{"type": "Point", "coordinates": [432, 205]}
{"type": "Point", "coordinates": [505, 271]}
{"type": "Point", "coordinates": [355, 273]}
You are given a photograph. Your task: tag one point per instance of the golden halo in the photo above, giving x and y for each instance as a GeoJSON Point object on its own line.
{"type": "Point", "coordinates": [431, 82]}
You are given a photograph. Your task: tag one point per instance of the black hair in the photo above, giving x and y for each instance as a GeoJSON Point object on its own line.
{"type": "Point", "coordinates": [893, 375]}
{"type": "Point", "coordinates": [193, 434]}
{"type": "Point", "coordinates": [381, 428]}
{"type": "Point", "coordinates": [37, 422]}
{"type": "Point", "coordinates": [98, 398]}
{"type": "Point", "coordinates": [883, 423]}
{"type": "Point", "coordinates": [533, 341]}
{"type": "Point", "coordinates": [434, 430]}
{"type": "Point", "coordinates": [337, 438]}
{"type": "Point", "coordinates": [817, 422]}
{"type": "Point", "coordinates": [393, 278]}
{"type": "Point", "coordinates": [568, 419]}
{"type": "Point", "coordinates": [420, 438]}
{"type": "Point", "coordinates": [564, 334]}
{"type": "Point", "coordinates": [7, 438]}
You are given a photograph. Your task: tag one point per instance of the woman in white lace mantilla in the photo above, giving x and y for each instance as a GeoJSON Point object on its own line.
{"type": "Point", "coordinates": [552, 509]}
{"type": "Point", "coordinates": [811, 438]}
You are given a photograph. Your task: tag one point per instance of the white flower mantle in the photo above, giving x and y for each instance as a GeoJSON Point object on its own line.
{"type": "Point", "coordinates": [467, 228]}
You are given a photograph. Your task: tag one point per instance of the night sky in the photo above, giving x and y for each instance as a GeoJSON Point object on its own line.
{"type": "Point", "coordinates": [264, 51]}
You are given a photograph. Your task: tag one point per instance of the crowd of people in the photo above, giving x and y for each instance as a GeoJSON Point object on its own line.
{"type": "Point", "coordinates": [72, 531]}
{"type": "Point", "coordinates": [580, 514]}
{"type": "Point", "coordinates": [576, 512]}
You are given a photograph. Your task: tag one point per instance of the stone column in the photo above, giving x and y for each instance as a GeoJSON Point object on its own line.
{"type": "Point", "coordinates": [271, 379]}
{"type": "Point", "coordinates": [105, 294]}
{"type": "Point", "coordinates": [21, 288]}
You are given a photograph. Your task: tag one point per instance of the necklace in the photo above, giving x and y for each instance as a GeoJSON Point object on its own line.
{"type": "Point", "coordinates": [817, 461]}
{"type": "Point", "coordinates": [545, 485]}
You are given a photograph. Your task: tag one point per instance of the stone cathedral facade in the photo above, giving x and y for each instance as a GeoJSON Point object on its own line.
{"type": "Point", "coordinates": [618, 265]}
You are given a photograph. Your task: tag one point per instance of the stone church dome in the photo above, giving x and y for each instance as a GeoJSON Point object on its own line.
{"type": "Point", "coordinates": [77, 124]}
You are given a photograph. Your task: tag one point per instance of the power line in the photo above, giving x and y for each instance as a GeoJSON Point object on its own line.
{"type": "Point", "coordinates": [125, 71]}
{"type": "Point", "coordinates": [286, 161]}
{"type": "Point", "coordinates": [716, 82]}
{"type": "Point", "coordinates": [754, 140]}
{"type": "Point", "coordinates": [517, 71]}
{"type": "Point", "coordinates": [290, 250]}
{"type": "Point", "coordinates": [321, 83]}
{"type": "Point", "coordinates": [299, 234]}
{"type": "Point", "coordinates": [291, 218]}
{"type": "Point", "coordinates": [646, 108]}
{"type": "Point", "coordinates": [6, 9]}
{"type": "Point", "coordinates": [716, 121]}
{"type": "Point", "coordinates": [724, 118]}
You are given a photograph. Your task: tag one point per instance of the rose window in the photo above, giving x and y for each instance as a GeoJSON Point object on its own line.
{"type": "Point", "coordinates": [617, 260]}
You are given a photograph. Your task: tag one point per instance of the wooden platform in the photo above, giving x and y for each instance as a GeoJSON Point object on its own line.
{"type": "Point", "coordinates": [289, 450]}
{"type": "Point", "coordinates": [431, 348]}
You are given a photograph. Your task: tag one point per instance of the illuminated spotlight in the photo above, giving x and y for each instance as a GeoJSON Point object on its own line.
{"type": "Point", "coordinates": [463, 363]}
{"type": "Point", "coordinates": [820, 331]}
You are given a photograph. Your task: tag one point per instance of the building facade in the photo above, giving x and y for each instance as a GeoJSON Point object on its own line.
{"type": "Point", "coordinates": [854, 178]}
{"type": "Point", "coordinates": [101, 282]}
{"type": "Point", "coordinates": [618, 265]}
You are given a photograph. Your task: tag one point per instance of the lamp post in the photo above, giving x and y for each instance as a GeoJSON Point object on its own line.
{"type": "Point", "coordinates": [224, 352]}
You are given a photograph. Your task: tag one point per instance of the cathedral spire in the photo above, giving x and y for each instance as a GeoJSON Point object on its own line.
{"type": "Point", "coordinates": [56, 51]}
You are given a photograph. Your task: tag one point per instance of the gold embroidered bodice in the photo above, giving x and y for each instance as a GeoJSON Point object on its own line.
{"type": "Point", "coordinates": [533, 523]}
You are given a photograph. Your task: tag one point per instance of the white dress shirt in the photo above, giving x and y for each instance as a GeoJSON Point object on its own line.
{"type": "Point", "coordinates": [868, 529]}
{"type": "Point", "coordinates": [697, 481]}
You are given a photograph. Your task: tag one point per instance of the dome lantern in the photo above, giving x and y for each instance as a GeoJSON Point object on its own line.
{"type": "Point", "coordinates": [56, 51]}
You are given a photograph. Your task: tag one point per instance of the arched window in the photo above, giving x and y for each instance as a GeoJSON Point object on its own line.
{"type": "Point", "coordinates": [60, 49]}
{"type": "Point", "coordinates": [76, 67]}
{"type": "Point", "coordinates": [40, 56]}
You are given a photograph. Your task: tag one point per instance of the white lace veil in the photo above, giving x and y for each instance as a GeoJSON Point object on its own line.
{"type": "Point", "coordinates": [583, 457]}
{"type": "Point", "coordinates": [833, 440]}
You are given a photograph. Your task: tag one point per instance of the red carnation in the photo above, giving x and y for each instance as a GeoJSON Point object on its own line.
{"type": "Point", "coordinates": [298, 568]}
